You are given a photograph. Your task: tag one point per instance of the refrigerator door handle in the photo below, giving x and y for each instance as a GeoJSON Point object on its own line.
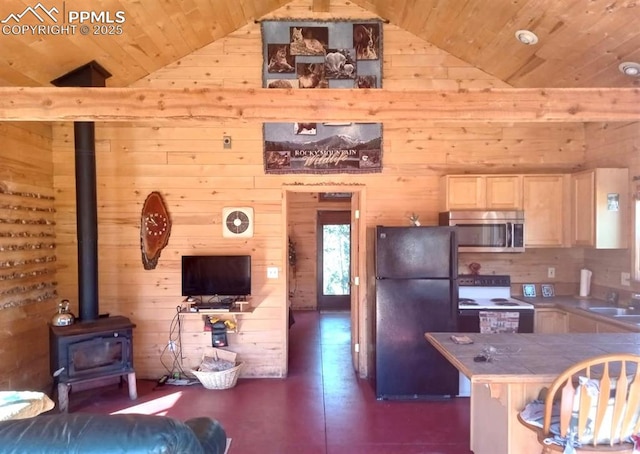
{"type": "Point", "coordinates": [454, 304]}
{"type": "Point", "coordinates": [453, 254]}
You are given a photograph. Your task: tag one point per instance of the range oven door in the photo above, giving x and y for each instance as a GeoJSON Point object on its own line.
{"type": "Point", "coordinates": [469, 320]}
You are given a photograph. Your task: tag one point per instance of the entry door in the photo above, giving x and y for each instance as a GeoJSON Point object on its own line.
{"type": "Point", "coordinates": [334, 260]}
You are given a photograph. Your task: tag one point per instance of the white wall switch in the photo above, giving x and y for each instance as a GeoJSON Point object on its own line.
{"type": "Point", "coordinates": [272, 272]}
{"type": "Point", "coordinates": [551, 272]}
{"type": "Point", "coordinates": [625, 278]}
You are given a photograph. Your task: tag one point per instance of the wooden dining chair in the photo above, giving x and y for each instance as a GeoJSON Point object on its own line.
{"type": "Point", "coordinates": [596, 403]}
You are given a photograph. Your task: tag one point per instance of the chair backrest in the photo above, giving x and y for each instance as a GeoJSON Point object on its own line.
{"type": "Point", "coordinates": [598, 399]}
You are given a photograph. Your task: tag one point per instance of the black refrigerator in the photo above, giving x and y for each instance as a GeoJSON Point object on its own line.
{"type": "Point", "coordinates": [416, 292]}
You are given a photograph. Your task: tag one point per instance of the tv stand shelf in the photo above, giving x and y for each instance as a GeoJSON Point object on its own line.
{"type": "Point", "coordinates": [223, 314]}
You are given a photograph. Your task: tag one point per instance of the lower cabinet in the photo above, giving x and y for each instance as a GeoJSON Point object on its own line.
{"type": "Point", "coordinates": [581, 324]}
{"type": "Point", "coordinates": [603, 327]}
{"type": "Point", "coordinates": [550, 321]}
{"type": "Point", "coordinates": [555, 321]}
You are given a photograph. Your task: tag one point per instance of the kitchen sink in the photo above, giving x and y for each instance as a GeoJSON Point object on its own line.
{"type": "Point", "coordinates": [615, 311]}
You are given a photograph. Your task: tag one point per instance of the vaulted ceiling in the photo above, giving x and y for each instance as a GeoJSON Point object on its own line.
{"type": "Point", "coordinates": [581, 42]}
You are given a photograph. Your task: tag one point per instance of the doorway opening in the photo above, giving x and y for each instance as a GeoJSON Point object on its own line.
{"type": "Point", "coordinates": [333, 275]}
{"type": "Point", "coordinates": [326, 247]}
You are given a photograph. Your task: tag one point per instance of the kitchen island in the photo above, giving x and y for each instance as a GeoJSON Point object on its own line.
{"type": "Point", "coordinates": [520, 366]}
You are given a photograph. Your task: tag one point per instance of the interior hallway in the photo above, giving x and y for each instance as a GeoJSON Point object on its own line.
{"type": "Point", "coordinates": [321, 408]}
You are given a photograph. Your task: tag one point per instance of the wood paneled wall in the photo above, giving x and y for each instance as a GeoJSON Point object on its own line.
{"type": "Point", "coordinates": [27, 254]}
{"type": "Point", "coordinates": [186, 161]}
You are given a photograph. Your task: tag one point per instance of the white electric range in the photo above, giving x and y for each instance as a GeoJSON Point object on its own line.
{"type": "Point", "coordinates": [488, 293]}
{"type": "Point", "coordinates": [476, 291]}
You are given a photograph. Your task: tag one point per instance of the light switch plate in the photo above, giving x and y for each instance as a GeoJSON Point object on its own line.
{"type": "Point", "coordinates": [272, 272]}
{"type": "Point", "coordinates": [625, 278]}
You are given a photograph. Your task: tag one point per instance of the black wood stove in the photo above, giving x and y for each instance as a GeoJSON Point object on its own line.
{"type": "Point", "coordinates": [95, 347]}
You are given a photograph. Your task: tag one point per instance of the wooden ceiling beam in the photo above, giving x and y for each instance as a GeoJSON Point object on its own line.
{"type": "Point", "coordinates": [273, 105]}
{"type": "Point", "coordinates": [320, 6]}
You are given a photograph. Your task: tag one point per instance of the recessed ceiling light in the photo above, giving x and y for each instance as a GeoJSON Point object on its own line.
{"type": "Point", "coordinates": [630, 68]}
{"type": "Point", "coordinates": [527, 37]}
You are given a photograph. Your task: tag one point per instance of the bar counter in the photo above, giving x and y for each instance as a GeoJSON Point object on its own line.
{"type": "Point", "coordinates": [520, 366]}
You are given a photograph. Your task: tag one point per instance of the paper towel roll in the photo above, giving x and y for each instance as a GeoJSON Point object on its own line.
{"type": "Point", "coordinates": [585, 282]}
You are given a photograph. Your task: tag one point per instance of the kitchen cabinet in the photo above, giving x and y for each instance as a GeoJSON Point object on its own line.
{"type": "Point", "coordinates": [550, 321]}
{"type": "Point", "coordinates": [503, 192]}
{"type": "Point", "coordinates": [585, 324]}
{"type": "Point", "coordinates": [603, 327]}
{"type": "Point", "coordinates": [544, 199]}
{"type": "Point", "coordinates": [599, 208]}
{"type": "Point", "coordinates": [545, 210]}
{"type": "Point", "coordinates": [581, 324]}
{"type": "Point", "coordinates": [480, 192]}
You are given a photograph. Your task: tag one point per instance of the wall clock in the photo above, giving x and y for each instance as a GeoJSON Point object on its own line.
{"type": "Point", "coordinates": [155, 228]}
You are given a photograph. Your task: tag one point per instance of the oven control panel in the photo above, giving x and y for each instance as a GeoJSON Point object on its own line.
{"type": "Point", "coordinates": [479, 280]}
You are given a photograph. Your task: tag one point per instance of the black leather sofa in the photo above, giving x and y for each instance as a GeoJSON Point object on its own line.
{"type": "Point", "coordinates": [82, 433]}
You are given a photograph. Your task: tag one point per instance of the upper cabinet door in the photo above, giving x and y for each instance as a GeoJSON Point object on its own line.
{"type": "Point", "coordinates": [504, 192]}
{"type": "Point", "coordinates": [545, 213]}
{"type": "Point", "coordinates": [463, 192]}
{"type": "Point", "coordinates": [481, 192]}
{"type": "Point", "coordinates": [583, 210]}
{"type": "Point", "coordinates": [600, 208]}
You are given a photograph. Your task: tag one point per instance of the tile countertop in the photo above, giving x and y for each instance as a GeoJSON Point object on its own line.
{"type": "Point", "coordinates": [580, 305]}
{"type": "Point", "coordinates": [583, 302]}
{"type": "Point", "coordinates": [528, 357]}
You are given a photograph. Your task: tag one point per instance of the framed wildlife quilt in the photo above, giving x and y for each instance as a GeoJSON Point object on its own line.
{"type": "Point", "coordinates": [322, 147]}
{"type": "Point", "coordinates": [322, 54]}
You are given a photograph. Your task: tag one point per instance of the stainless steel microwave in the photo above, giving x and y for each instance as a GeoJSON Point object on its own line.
{"type": "Point", "coordinates": [487, 231]}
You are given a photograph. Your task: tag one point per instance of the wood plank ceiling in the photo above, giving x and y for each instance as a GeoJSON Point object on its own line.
{"type": "Point", "coordinates": [581, 42]}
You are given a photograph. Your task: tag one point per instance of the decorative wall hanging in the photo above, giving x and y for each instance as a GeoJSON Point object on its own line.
{"type": "Point", "coordinates": [155, 229]}
{"type": "Point", "coordinates": [322, 54]}
{"type": "Point", "coordinates": [322, 147]}
{"type": "Point", "coordinates": [27, 247]}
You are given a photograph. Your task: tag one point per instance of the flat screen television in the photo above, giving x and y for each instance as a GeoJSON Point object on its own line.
{"type": "Point", "coordinates": [225, 275]}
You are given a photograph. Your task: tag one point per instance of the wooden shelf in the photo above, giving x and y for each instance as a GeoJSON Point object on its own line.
{"type": "Point", "coordinates": [248, 310]}
{"type": "Point", "coordinates": [223, 314]}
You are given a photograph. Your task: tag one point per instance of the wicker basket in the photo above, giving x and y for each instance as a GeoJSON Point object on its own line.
{"type": "Point", "coordinates": [223, 379]}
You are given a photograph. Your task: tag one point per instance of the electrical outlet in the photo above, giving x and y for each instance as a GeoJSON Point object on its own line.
{"type": "Point", "coordinates": [625, 279]}
{"type": "Point", "coordinates": [551, 272]}
{"type": "Point", "coordinates": [172, 346]}
{"type": "Point", "coordinates": [272, 272]}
